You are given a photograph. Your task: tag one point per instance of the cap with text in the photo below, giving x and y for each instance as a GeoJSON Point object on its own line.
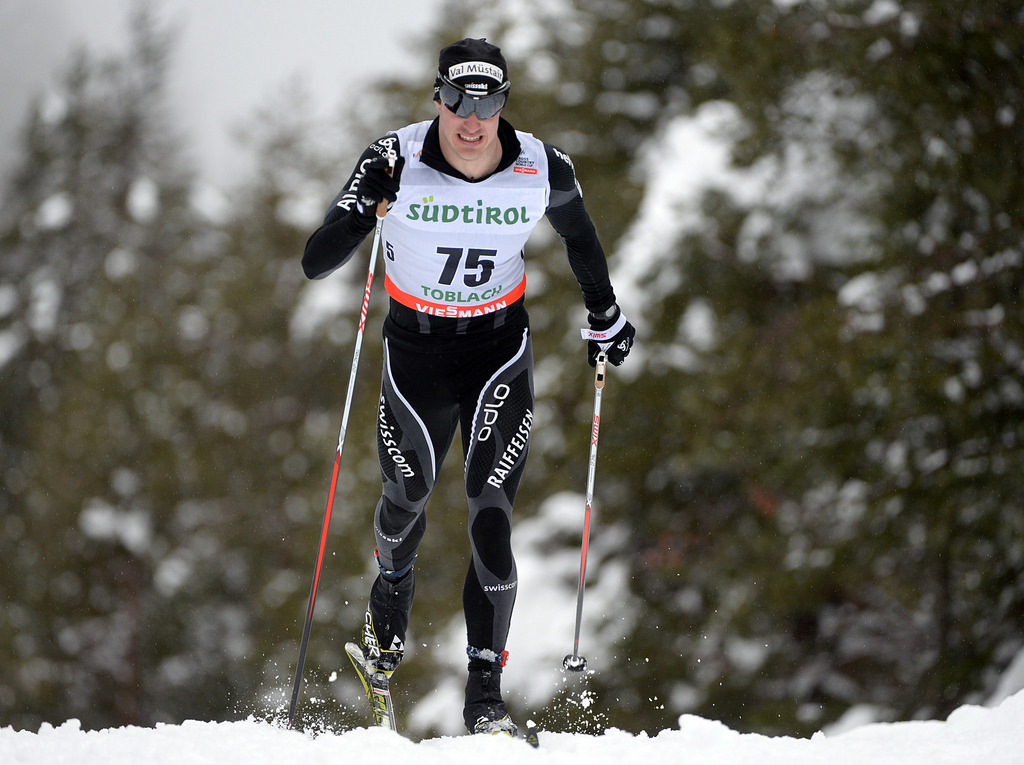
{"type": "Point", "coordinates": [474, 66]}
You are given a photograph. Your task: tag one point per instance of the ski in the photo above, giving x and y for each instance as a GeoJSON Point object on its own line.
{"type": "Point", "coordinates": [505, 727]}
{"type": "Point", "coordinates": [531, 735]}
{"type": "Point", "coordinates": [376, 685]}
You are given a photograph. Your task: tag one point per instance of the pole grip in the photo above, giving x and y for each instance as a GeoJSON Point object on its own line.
{"type": "Point", "coordinates": [382, 206]}
{"type": "Point", "coordinates": [599, 370]}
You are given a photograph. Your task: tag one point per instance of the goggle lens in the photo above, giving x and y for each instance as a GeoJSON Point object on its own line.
{"type": "Point", "coordinates": [462, 105]}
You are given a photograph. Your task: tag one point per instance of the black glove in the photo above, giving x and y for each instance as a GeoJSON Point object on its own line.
{"type": "Point", "coordinates": [376, 185]}
{"type": "Point", "coordinates": [611, 333]}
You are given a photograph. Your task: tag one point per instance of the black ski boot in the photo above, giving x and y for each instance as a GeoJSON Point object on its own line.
{"type": "Point", "coordinates": [387, 618]}
{"type": "Point", "coordinates": [485, 712]}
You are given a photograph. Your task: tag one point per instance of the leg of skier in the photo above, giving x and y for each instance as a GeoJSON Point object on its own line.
{"type": "Point", "coordinates": [415, 427]}
{"type": "Point", "coordinates": [496, 434]}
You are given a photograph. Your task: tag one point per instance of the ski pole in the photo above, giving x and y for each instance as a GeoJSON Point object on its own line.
{"type": "Point", "coordinates": [574, 661]}
{"type": "Point", "coordinates": [382, 209]}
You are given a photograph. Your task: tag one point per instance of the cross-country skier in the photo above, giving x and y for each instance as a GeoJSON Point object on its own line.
{"type": "Point", "coordinates": [466, 191]}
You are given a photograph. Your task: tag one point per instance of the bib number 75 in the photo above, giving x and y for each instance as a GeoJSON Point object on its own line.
{"type": "Point", "coordinates": [477, 265]}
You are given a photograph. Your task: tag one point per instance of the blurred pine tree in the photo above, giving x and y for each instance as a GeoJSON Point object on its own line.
{"type": "Point", "coordinates": [815, 447]}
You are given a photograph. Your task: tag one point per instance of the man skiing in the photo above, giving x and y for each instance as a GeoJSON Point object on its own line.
{"type": "Point", "coordinates": [464, 192]}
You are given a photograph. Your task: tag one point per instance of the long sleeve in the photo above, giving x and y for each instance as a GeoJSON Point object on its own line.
{"type": "Point", "coordinates": [569, 218]}
{"type": "Point", "coordinates": [343, 229]}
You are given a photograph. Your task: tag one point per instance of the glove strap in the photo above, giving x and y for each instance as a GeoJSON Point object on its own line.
{"type": "Point", "coordinates": [605, 336]}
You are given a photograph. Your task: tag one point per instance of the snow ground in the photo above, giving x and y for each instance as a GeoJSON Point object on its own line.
{"type": "Point", "coordinates": [972, 734]}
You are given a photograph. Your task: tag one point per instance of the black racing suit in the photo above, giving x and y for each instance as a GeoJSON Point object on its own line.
{"type": "Point", "coordinates": [472, 372]}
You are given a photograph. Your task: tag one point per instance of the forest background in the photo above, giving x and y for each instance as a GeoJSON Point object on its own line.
{"type": "Point", "coordinates": [809, 488]}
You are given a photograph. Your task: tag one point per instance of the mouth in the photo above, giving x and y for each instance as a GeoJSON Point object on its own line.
{"type": "Point", "coordinates": [470, 138]}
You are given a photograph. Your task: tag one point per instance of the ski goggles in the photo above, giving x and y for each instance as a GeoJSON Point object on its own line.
{"type": "Point", "coordinates": [462, 104]}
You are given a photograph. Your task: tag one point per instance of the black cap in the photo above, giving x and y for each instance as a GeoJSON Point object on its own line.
{"type": "Point", "coordinates": [475, 67]}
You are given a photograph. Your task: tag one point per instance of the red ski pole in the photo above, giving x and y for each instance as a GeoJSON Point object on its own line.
{"type": "Point", "coordinates": [574, 661]}
{"type": "Point", "coordinates": [382, 209]}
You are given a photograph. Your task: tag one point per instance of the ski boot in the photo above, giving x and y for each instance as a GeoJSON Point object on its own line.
{"type": "Point", "coordinates": [485, 711]}
{"type": "Point", "coordinates": [387, 618]}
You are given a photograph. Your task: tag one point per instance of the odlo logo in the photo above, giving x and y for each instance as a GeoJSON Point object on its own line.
{"type": "Point", "coordinates": [474, 215]}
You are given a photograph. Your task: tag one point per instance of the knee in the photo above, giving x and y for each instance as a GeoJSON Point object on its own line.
{"type": "Point", "coordinates": [398, 533]}
{"type": "Point", "coordinates": [491, 536]}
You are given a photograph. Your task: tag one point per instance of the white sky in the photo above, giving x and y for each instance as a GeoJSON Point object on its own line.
{"type": "Point", "coordinates": [230, 55]}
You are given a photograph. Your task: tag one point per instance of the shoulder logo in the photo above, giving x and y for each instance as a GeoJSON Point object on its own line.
{"type": "Point", "coordinates": [525, 165]}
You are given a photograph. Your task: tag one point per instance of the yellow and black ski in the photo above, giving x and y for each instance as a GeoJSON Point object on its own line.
{"type": "Point", "coordinates": [376, 685]}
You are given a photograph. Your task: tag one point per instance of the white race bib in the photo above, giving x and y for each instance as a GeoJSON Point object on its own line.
{"type": "Point", "coordinates": [454, 248]}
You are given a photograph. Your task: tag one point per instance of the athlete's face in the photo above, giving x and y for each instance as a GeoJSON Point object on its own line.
{"type": "Point", "coordinates": [471, 144]}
